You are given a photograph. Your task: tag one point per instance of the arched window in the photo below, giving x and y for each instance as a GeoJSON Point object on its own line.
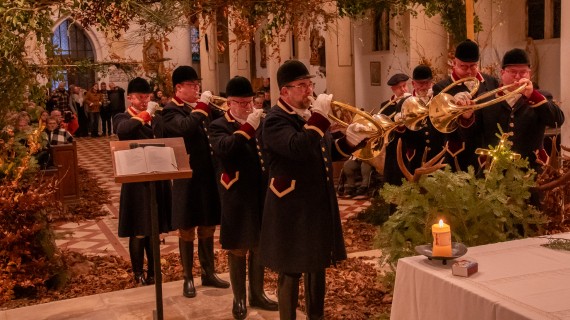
{"type": "Point", "coordinates": [72, 45]}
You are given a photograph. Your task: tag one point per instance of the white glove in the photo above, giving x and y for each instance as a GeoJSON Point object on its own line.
{"type": "Point", "coordinates": [463, 97]}
{"type": "Point", "coordinates": [254, 118]}
{"type": "Point", "coordinates": [206, 97]}
{"type": "Point", "coordinates": [322, 104]}
{"type": "Point", "coordinates": [151, 107]}
{"type": "Point", "coordinates": [397, 117]}
{"type": "Point", "coordinates": [356, 132]}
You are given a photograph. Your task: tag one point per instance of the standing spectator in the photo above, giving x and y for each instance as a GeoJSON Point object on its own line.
{"type": "Point", "coordinates": [116, 100]}
{"type": "Point", "coordinates": [242, 185]}
{"type": "Point", "coordinates": [195, 201]}
{"type": "Point", "coordinates": [266, 101]}
{"type": "Point", "coordinates": [76, 100]}
{"type": "Point", "coordinates": [55, 134]}
{"type": "Point", "coordinates": [301, 230]}
{"type": "Point", "coordinates": [92, 103]}
{"type": "Point", "coordinates": [105, 110]}
{"type": "Point", "coordinates": [60, 98]}
{"type": "Point", "coordinates": [135, 205]}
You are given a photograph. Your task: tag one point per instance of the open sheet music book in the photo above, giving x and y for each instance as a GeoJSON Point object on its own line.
{"type": "Point", "coordinates": [145, 160]}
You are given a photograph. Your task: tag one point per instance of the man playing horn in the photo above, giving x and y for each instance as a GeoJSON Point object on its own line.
{"type": "Point", "coordinates": [525, 115]}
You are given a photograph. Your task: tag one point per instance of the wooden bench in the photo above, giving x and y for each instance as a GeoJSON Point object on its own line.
{"type": "Point", "coordinates": [65, 170]}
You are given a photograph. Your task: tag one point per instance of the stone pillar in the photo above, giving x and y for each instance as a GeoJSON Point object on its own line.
{"type": "Point", "coordinates": [239, 56]}
{"type": "Point", "coordinates": [340, 66]}
{"type": "Point", "coordinates": [209, 58]}
{"type": "Point", "coordinates": [565, 70]}
{"type": "Point", "coordinates": [278, 52]}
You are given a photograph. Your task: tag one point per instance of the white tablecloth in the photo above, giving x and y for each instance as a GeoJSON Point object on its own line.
{"type": "Point", "coordinates": [516, 280]}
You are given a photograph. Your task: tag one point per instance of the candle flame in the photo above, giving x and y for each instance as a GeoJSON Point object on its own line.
{"type": "Point", "coordinates": [440, 223]}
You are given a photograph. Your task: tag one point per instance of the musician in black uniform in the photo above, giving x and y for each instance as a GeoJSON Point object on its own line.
{"type": "Point", "coordinates": [399, 85]}
{"type": "Point", "coordinates": [465, 64]}
{"type": "Point", "coordinates": [242, 182]}
{"type": "Point", "coordinates": [526, 115]}
{"type": "Point", "coordinates": [135, 207]}
{"type": "Point", "coordinates": [195, 201]}
{"type": "Point", "coordinates": [426, 142]}
{"type": "Point", "coordinates": [301, 230]}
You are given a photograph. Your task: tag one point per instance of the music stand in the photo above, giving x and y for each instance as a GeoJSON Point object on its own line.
{"type": "Point", "coordinates": [184, 172]}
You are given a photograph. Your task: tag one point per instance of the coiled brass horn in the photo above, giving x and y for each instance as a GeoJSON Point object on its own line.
{"type": "Point", "coordinates": [345, 114]}
{"type": "Point", "coordinates": [414, 113]}
{"type": "Point", "coordinates": [219, 103]}
{"type": "Point", "coordinates": [443, 110]}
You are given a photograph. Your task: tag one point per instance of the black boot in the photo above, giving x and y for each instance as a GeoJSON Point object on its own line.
{"type": "Point", "coordinates": [136, 251]}
{"type": "Point", "coordinates": [315, 295]}
{"type": "Point", "coordinates": [257, 297]}
{"type": "Point", "coordinates": [187, 258]}
{"type": "Point", "coordinates": [288, 294]}
{"type": "Point", "coordinates": [206, 257]}
{"type": "Point", "coordinates": [237, 278]}
{"type": "Point", "coordinates": [149, 260]}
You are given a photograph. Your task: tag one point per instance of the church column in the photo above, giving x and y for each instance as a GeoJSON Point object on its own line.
{"type": "Point", "coordinates": [277, 53]}
{"type": "Point", "coordinates": [239, 56]}
{"type": "Point", "coordinates": [340, 79]}
{"type": "Point", "coordinates": [564, 68]}
{"type": "Point", "coordinates": [209, 58]}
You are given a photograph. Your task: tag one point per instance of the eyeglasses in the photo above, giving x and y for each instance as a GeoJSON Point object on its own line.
{"type": "Point", "coordinates": [242, 104]}
{"type": "Point", "coordinates": [303, 86]}
{"type": "Point", "coordinates": [141, 97]}
{"type": "Point", "coordinates": [191, 84]}
{"type": "Point", "coordinates": [466, 67]}
{"type": "Point", "coordinates": [520, 73]}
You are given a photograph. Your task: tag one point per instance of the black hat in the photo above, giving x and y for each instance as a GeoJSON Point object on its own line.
{"type": "Point", "coordinates": [515, 56]}
{"type": "Point", "coordinates": [397, 78]}
{"type": "Point", "coordinates": [422, 72]}
{"type": "Point", "coordinates": [184, 73]}
{"type": "Point", "coordinates": [138, 85]}
{"type": "Point", "coordinates": [467, 51]}
{"type": "Point", "coordinates": [290, 71]}
{"type": "Point", "coordinates": [239, 87]}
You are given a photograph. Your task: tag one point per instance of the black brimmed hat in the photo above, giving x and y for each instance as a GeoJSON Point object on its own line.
{"type": "Point", "coordinates": [467, 51]}
{"type": "Point", "coordinates": [239, 87]}
{"type": "Point", "coordinates": [422, 72]}
{"type": "Point", "coordinates": [184, 73]}
{"type": "Point", "coordinates": [290, 71]}
{"type": "Point", "coordinates": [397, 78]}
{"type": "Point", "coordinates": [138, 85]}
{"type": "Point", "coordinates": [515, 56]}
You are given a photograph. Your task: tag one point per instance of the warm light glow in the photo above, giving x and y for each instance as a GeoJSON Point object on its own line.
{"type": "Point", "coordinates": [440, 223]}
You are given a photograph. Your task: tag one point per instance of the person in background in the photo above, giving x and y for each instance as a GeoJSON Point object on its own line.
{"type": "Point", "coordinates": [242, 185]}
{"type": "Point", "coordinates": [116, 101]}
{"type": "Point", "coordinates": [55, 134]}
{"type": "Point", "coordinates": [76, 99]}
{"type": "Point", "coordinates": [195, 201]}
{"type": "Point", "coordinates": [301, 231]}
{"type": "Point", "coordinates": [92, 103]}
{"type": "Point", "coordinates": [105, 111]}
{"type": "Point", "coordinates": [135, 204]}
{"type": "Point", "coordinates": [60, 98]}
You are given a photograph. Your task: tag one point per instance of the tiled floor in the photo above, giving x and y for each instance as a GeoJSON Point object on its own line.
{"type": "Point", "coordinates": [100, 237]}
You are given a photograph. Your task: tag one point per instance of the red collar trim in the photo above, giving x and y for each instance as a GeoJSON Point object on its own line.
{"type": "Point", "coordinates": [283, 105]}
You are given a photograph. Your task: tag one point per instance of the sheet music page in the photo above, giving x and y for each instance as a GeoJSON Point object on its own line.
{"type": "Point", "coordinates": [160, 159]}
{"type": "Point", "coordinates": [131, 161]}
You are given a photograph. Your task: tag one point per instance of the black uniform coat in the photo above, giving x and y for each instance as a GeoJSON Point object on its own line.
{"type": "Point", "coordinates": [527, 120]}
{"type": "Point", "coordinates": [241, 181]}
{"type": "Point", "coordinates": [392, 173]}
{"type": "Point", "coordinates": [134, 210]}
{"type": "Point", "coordinates": [417, 142]}
{"type": "Point", "coordinates": [466, 156]}
{"type": "Point", "coordinates": [301, 230]}
{"type": "Point", "coordinates": [195, 201]}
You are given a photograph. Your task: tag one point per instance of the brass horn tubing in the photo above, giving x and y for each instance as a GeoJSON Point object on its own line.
{"type": "Point", "coordinates": [507, 95]}
{"type": "Point", "coordinates": [355, 111]}
{"type": "Point", "coordinates": [219, 103]}
{"type": "Point", "coordinates": [455, 83]}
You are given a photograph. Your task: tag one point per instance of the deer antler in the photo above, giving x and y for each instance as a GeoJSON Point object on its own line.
{"type": "Point", "coordinates": [432, 165]}
{"type": "Point", "coordinates": [553, 184]}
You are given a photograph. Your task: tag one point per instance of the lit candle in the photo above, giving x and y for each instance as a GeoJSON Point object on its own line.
{"type": "Point", "coordinates": [441, 239]}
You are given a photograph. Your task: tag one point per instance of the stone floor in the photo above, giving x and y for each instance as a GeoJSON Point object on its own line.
{"type": "Point", "coordinates": [100, 238]}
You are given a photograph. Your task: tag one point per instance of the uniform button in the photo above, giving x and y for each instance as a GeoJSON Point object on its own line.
{"type": "Point", "coordinates": [323, 149]}
{"type": "Point", "coordinates": [427, 133]}
{"type": "Point", "coordinates": [262, 168]}
{"type": "Point", "coordinates": [261, 160]}
{"type": "Point", "coordinates": [512, 116]}
{"type": "Point", "coordinates": [210, 145]}
{"type": "Point", "coordinates": [205, 129]}
{"type": "Point", "coordinates": [512, 125]}
{"type": "Point", "coordinates": [427, 141]}
{"type": "Point", "coordinates": [327, 168]}
{"type": "Point", "coordinates": [258, 147]}
{"type": "Point", "coordinates": [328, 179]}
{"type": "Point", "coordinates": [326, 159]}
{"type": "Point", "coordinates": [259, 153]}
{"type": "Point", "coordinates": [212, 152]}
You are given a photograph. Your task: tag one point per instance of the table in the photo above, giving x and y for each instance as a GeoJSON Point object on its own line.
{"type": "Point", "coordinates": [516, 280]}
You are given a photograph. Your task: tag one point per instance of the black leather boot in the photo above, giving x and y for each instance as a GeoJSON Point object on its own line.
{"type": "Point", "coordinates": [187, 258]}
{"type": "Point", "coordinates": [257, 297]}
{"type": "Point", "coordinates": [136, 251]}
{"type": "Point", "coordinates": [206, 257]}
{"type": "Point", "coordinates": [237, 278]}
{"type": "Point", "coordinates": [288, 294]}
{"type": "Point", "coordinates": [315, 295]}
{"type": "Point", "coordinates": [149, 260]}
